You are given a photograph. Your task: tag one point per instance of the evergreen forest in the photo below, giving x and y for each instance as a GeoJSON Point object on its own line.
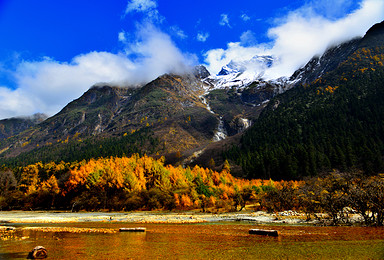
{"type": "Point", "coordinates": [334, 123]}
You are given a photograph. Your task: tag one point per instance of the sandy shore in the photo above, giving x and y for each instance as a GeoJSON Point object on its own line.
{"type": "Point", "coordinates": [148, 217]}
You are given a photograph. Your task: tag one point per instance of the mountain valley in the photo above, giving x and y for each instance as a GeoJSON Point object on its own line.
{"type": "Point", "coordinates": [265, 128]}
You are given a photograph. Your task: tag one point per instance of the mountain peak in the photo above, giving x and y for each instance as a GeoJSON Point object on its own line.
{"type": "Point", "coordinates": [374, 36]}
{"type": "Point", "coordinates": [258, 63]}
{"type": "Point", "coordinates": [376, 29]}
{"type": "Point", "coordinates": [201, 72]}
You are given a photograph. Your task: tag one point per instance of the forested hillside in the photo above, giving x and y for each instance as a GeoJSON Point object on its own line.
{"type": "Point", "coordinates": [336, 122]}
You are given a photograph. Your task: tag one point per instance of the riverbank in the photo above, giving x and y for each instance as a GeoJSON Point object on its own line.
{"type": "Point", "coordinates": [287, 217]}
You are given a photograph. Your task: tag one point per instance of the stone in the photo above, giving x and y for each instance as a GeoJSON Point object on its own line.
{"type": "Point", "coordinates": [139, 229]}
{"type": "Point", "coordinates": [38, 252]}
{"type": "Point", "coordinates": [264, 232]}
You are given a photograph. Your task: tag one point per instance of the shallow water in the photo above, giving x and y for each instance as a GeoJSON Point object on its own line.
{"type": "Point", "coordinates": [198, 241]}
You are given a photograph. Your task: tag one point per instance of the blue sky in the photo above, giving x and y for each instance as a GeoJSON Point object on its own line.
{"type": "Point", "coordinates": [53, 51]}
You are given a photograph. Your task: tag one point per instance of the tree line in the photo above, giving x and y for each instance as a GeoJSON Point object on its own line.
{"type": "Point", "coordinates": [145, 183]}
{"type": "Point", "coordinates": [337, 194]}
{"type": "Point", "coordinates": [139, 142]}
{"type": "Point", "coordinates": [123, 183]}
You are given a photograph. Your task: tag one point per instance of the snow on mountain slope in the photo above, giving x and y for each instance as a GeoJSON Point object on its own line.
{"type": "Point", "coordinates": [241, 74]}
{"type": "Point", "coordinates": [257, 63]}
{"type": "Point", "coordinates": [248, 83]}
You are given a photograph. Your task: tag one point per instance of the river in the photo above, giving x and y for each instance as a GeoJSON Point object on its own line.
{"type": "Point", "coordinates": [220, 240]}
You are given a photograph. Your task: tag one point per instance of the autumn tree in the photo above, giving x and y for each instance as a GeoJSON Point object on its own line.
{"type": "Point", "coordinates": [211, 164]}
{"type": "Point", "coordinates": [7, 182]}
{"type": "Point", "coordinates": [366, 197]}
{"type": "Point", "coordinates": [30, 178]}
{"type": "Point", "coordinates": [47, 192]}
{"type": "Point", "coordinates": [8, 192]}
{"type": "Point", "coordinates": [129, 183]}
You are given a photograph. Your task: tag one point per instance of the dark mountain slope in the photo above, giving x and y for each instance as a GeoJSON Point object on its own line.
{"type": "Point", "coordinates": [320, 65]}
{"type": "Point", "coordinates": [335, 122]}
{"type": "Point", "coordinates": [13, 126]}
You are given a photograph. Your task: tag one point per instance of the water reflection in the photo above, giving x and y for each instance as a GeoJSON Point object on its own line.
{"type": "Point", "coordinates": [198, 241]}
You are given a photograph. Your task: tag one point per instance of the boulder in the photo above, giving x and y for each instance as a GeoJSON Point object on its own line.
{"type": "Point", "coordinates": [139, 229]}
{"type": "Point", "coordinates": [264, 232]}
{"type": "Point", "coordinates": [38, 252]}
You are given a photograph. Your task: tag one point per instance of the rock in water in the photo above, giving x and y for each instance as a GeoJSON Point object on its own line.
{"type": "Point", "coordinates": [263, 232]}
{"type": "Point", "coordinates": [38, 252]}
{"type": "Point", "coordinates": [139, 229]}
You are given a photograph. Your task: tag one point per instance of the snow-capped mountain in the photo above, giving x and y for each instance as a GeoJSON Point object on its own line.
{"type": "Point", "coordinates": [242, 74]}
{"type": "Point", "coordinates": [258, 62]}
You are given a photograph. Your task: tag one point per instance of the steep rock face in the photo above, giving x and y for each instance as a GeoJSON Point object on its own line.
{"type": "Point", "coordinates": [231, 104]}
{"type": "Point", "coordinates": [201, 72]}
{"type": "Point", "coordinates": [258, 93]}
{"type": "Point", "coordinates": [171, 105]}
{"type": "Point", "coordinates": [240, 91]}
{"type": "Point", "coordinates": [90, 114]}
{"type": "Point", "coordinates": [374, 36]}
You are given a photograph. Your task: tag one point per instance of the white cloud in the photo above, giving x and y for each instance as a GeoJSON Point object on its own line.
{"type": "Point", "coordinates": [178, 32]}
{"type": "Point", "coordinates": [245, 17]}
{"type": "Point", "coordinates": [121, 37]}
{"type": "Point", "coordinates": [216, 58]}
{"type": "Point", "coordinates": [300, 35]}
{"type": "Point", "coordinates": [248, 38]}
{"type": "Point", "coordinates": [202, 37]}
{"type": "Point", "coordinates": [157, 54]}
{"type": "Point", "coordinates": [224, 20]}
{"type": "Point", "coordinates": [48, 85]}
{"type": "Point", "coordinates": [141, 6]}
{"type": "Point", "coordinates": [147, 7]}
{"type": "Point", "coordinates": [15, 103]}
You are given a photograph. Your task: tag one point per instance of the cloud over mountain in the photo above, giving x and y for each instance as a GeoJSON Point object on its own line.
{"type": "Point", "coordinates": [301, 34]}
{"type": "Point", "coordinates": [148, 49]}
{"type": "Point", "coordinates": [304, 33]}
{"type": "Point", "coordinates": [48, 85]}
